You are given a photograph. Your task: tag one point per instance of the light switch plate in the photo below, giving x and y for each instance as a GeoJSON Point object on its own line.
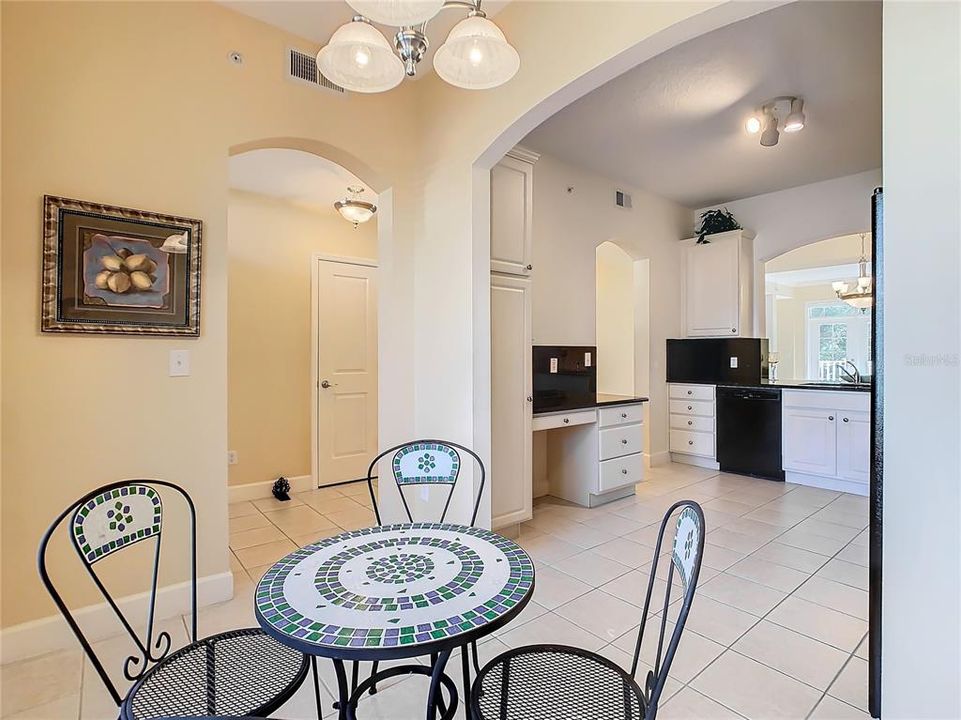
{"type": "Point", "coordinates": [553, 365]}
{"type": "Point", "coordinates": [179, 363]}
{"type": "Point", "coordinates": [232, 458]}
{"type": "Point", "coordinates": [734, 362]}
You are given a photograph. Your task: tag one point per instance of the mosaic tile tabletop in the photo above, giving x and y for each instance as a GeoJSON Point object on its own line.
{"type": "Point", "coordinates": [393, 586]}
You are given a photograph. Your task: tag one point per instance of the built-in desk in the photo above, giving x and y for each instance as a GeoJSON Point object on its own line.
{"type": "Point", "coordinates": [593, 454]}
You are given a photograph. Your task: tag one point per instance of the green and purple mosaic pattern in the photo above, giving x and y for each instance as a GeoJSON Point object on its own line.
{"type": "Point", "coordinates": [115, 519]}
{"type": "Point", "coordinates": [394, 585]}
{"type": "Point", "coordinates": [426, 463]}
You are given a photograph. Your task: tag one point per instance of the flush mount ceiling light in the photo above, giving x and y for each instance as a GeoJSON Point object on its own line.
{"type": "Point", "coordinates": [354, 210]}
{"type": "Point", "coordinates": [787, 106]}
{"type": "Point", "coordinates": [358, 57]}
{"type": "Point", "coordinates": [861, 295]}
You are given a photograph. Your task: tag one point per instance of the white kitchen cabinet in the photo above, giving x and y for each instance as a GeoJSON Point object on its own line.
{"type": "Point", "coordinates": [691, 433]}
{"type": "Point", "coordinates": [510, 473]}
{"type": "Point", "coordinates": [718, 278]}
{"type": "Point", "coordinates": [512, 198]}
{"type": "Point", "coordinates": [826, 439]}
{"type": "Point", "coordinates": [809, 440]}
{"type": "Point", "coordinates": [854, 446]}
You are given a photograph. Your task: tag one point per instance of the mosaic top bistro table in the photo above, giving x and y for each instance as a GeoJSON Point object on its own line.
{"type": "Point", "coordinates": [395, 591]}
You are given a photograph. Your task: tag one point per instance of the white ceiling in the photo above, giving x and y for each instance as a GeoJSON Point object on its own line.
{"type": "Point", "coordinates": [675, 124]}
{"type": "Point", "coordinates": [316, 20]}
{"type": "Point", "coordinates": [294, 176]}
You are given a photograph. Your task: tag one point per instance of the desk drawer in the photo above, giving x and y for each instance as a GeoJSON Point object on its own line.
{"type": "Point", "coordinates": [691, 392]}
{"type": "Point", "coordinates": [621, 471]}
{"type": "Point", "coordinates": [621, 440]}
{"type": "Point", "coordinates": [704, 408]}
{"type": "Point", "coordinates": [692, 443]}
{"type": "Point", "coordinates": [693, 423]}
{"type": "Point", "coordinates": [549, 422]}
{"type": "Point", "coordinates": [620, 415]}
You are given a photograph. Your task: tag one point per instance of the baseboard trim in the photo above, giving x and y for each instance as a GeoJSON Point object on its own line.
{"type": "Point", "coordinates": [827, 483]}
{"type": "Point", "coordinates": [49, 634]}
{"type": "Point", "coordinates": [658, 458]}
{"type": "Point", "coordinates": [701, 462]}
{"type": "Point", "coordinates": [258, 490]}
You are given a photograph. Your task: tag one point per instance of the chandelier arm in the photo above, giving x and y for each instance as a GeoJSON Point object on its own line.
{"type": "Point", "coordinates": [474, 5]}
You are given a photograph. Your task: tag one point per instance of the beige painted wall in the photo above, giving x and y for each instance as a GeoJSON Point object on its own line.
{"type": "Point", "coordinates": [826, 253]}
{"type": "Point", "coordinates": [568, 228]}
{"type": "Point", "coordinates": [270, 244]}
{"type": "Point", "coordinates": [614, 293]}
{"type": "Point", "coordinates": [136, 104]}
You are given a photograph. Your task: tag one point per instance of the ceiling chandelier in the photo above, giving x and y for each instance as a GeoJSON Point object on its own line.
{"type": "Point", "coordinates": [766, 119]}
{"type": "Point", "coordinates": [475, 56]}
{"type": "Point", "coordinates": [861, 295]}
{"type": "Point", "coordinates": [353, 209]}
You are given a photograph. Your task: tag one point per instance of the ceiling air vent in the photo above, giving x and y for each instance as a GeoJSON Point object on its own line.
{"type": "Point", "coordinates": [622, 199]}
{"type": "Point", "coordinates": [302, 68]}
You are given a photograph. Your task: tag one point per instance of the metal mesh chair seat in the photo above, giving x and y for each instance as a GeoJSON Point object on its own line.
{"type": "Point", "coordinates": [236, 673]}
{"type": "Point", "coordinates": [555, 682]}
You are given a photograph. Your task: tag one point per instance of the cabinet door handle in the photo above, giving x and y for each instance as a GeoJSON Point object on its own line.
{"type": "Point", "coordinates": [733, 330]}
{"type": "Point", "coordinates": [830, 417]}
{"type": "Point", "coordinates": [624, 471]}
{"type": "Point", "coordinates": [690, 422]}
{"type": "Point", "coordinates": [530, 399]}
{"type": "Point", "coordinates": [690, 442]}
{"type": "Point", "coordinates": [624, 441]}
{"type": "Point", "coordinates": [567, 420]}
{"type": "Point", "coordinates": [689, 407]}
{"type": "Point", "coordinates": [690, 392]}
{"type": "Point", "coordinates": [845, 419]}
{"type": "Point", "coordinates": [530, 267]}
{"type": "Point", "coordinates": [623, 415]}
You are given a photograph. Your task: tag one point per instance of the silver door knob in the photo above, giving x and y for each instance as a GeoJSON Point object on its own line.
{"type": "Point", "coordinates": [325, 384]}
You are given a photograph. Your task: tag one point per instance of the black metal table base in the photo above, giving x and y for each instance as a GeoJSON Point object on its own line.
{"type": "Point", "coordinates": [350, 694]}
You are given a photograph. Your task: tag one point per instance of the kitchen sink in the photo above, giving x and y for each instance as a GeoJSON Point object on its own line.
{"type": "Point", "coordinates": [836, 384]}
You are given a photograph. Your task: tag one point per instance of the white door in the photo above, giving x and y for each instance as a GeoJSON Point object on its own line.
{"type": "Point", "coordinates": [511, 216]}
{"type": "Point", "coordinates": [345, 313]}
{"type": "Point", "coordinates": [712, 287]}
{"type": "Point", "coordinates": [854, 446]}
{"type": "Point", "coordinates": [809, 442]}
{"type": "Point", "coordinates": [510, 473]}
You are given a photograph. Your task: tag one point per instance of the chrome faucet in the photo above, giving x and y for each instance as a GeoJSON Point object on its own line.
{"type": "Point", "coordinates": [854, 377]}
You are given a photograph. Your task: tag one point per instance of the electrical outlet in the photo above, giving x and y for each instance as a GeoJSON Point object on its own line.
{"type": "Point", "coordinates": [553, 365]}
{"type": "Point", "coordinates": [734, 362]}
{"type": "Point", "coordinates": [232, 458]}
{"type": "Point", "coordinates": [587, 359]}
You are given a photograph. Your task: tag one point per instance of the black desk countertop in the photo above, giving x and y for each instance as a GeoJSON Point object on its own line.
{"type": "Point", "coordinates": [600, 400]}
{"type": "Point", "coordinates": [801, 385]}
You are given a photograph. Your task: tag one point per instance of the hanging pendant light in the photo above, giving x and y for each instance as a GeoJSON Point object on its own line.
{"type": "Point", "coordinates": [476, 55]}
{"type": "Point", "coordinates": [359, 58]}
{"type": "Point", "coordinates": [399, 13]}
{"type": "Point", "coordinates": [861, 295]}
{"type": "Point", "coordinates": [353, 209]}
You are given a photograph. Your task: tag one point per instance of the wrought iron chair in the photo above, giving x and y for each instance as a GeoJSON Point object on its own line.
{"type": "Point", "coordinates": [558, 681]}
{"type": "Point", "coordinates": [427, 462]}
{"type": "Point", "coordinates": [239, 672]}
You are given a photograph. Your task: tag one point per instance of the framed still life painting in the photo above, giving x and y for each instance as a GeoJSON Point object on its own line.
{"type": "Point", "coordinates": [113, 270]}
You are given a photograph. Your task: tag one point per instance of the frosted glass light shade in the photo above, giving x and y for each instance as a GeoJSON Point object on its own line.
{"type": "Point", "coordinates": [397, 12]}
{"type": "Point", "coordinates": [359, 58]}
{"type": "Point", "coordinates": [476, 55]}
{"type": "Point", "coordinates": [356, 211]}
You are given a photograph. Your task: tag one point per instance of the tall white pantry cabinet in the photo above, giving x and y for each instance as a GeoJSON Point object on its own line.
{"type": "Point", "coordinates": [511, 469]}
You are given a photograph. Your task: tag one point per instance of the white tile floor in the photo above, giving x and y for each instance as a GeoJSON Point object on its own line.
{"type": "Point", "coordinates": [778, 628]}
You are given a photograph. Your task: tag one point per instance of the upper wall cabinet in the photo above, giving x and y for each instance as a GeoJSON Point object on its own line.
{"type": "Point", "coordinates": [512, 199]}
{"type": "Point", "coordinates": [717, 285]}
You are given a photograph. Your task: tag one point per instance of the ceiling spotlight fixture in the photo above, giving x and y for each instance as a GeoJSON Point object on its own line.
{"type": "Point", "coordinates": [358, 57]}
{"type": "Point", "coordinates": [353, 209]}
{"type": "Point", "coordinates": [766, 118]}
{"type": "Point", "coordinates": [795, 121]}
{"type": "Point", "coordinates": [770, 135]}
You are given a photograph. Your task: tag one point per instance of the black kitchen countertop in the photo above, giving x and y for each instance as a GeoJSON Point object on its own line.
{"type": "Point", "coordinates": [600, 400]}
{"type": "Point", "coordinates": [801, 385]}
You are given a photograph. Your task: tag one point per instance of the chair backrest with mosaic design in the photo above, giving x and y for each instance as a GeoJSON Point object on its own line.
{"type": "Point", "coordinates": [102, 523]}
{"type": "Point", "coordinates": [426, 462]}
{"type": "Point", "coordinates": [687, 550]}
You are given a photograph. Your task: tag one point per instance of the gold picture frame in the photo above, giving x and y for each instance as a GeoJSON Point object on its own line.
{"type": "Point", "coordinates": [119, 271]}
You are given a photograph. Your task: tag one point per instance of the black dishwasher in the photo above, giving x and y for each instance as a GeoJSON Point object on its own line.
{"type": "Point", "coordinates": [749, 431]}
